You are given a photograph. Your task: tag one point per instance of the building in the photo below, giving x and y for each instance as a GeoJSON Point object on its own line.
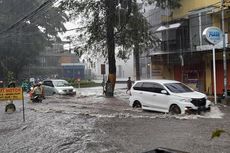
{"type": "Point", "coordinates": [73, 70]}
{"type": "Point", "coordinates": [124, 68]}
{"type": "Point", "coordinates": [51, 63]}
{"type": "Point", "coordinates": [183, 54]}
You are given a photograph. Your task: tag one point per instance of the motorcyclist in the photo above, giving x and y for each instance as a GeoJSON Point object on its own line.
{"type": "Point", "coordinates": [37, 90]}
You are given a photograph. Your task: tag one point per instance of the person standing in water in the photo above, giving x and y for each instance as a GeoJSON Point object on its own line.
{"type": "Point", "coordinates": [129, 84]}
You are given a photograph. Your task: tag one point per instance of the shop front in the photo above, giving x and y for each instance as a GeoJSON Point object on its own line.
{"type": "Point", "coordinates": [192, 75]}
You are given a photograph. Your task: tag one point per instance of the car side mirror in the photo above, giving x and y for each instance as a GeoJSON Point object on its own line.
{"type": "Point", "coordinates": [164, 92]}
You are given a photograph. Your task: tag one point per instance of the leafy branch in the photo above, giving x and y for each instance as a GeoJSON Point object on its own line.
{"type": "Point", "coordinates": [218, 132]}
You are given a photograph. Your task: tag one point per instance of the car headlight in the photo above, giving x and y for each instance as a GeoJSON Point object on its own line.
{"type": "Point", "coordinates": [186, 100]}
{"type": "Point", "coordinates": [60, 91]}
{"type": "Point", "coordinates": [74, 90]}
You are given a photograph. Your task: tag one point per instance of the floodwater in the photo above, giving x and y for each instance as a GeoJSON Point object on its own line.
{"type": "Point", "coordinates": [91, 123]}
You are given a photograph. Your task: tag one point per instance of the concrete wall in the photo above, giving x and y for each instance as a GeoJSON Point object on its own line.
{"type": "Point", "coordinates": [189, 5]}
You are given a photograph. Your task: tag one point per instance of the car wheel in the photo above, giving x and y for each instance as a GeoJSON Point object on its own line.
{"type": "Point", "coordinates": [174, 109]}
{"type": "Point", "coordinates": [136, 104]}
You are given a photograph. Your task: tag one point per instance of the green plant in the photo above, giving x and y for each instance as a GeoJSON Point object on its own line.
{"type": "Point", "coordinates": [83, 83]}
{"type": "Point", "coordinates": [218, 133]}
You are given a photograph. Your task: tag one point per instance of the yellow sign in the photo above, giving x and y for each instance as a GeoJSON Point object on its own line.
{"type": "Point", "coordinates": [11, 94]}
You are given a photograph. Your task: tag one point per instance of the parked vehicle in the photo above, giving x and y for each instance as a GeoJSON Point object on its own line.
{"type": "Point", "coordinates": [57, 86]}
{"type": "Point", "coordinates": [167, 96]}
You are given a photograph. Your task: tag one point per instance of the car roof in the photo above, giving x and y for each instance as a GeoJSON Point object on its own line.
{"type": "Point", "coordinates": [161, 81]}
{"type": "Point", "coordinates": [54, 80]}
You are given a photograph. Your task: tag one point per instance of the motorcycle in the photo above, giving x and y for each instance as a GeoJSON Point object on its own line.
{"type": "Point", "coordinates": [36, 93]}
{"type": "Point", "coordinates": [36, 98]}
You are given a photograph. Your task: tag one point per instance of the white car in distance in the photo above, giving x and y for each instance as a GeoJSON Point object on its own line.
{"type": "Point", "coordinates": [58, 86]}
{"type": "Point", "coordinates": [167, 96]}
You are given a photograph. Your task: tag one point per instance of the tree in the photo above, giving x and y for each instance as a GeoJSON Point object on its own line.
{"type": "Point", "coordinates": [27, 27]}
{"type": "Point", "coordinates": [113, 23]}
{"type": "Point", "coordinates": [146, 40]}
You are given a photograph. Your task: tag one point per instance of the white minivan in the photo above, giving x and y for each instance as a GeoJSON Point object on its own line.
{"type": "Point", "coordinates": [167, 96]}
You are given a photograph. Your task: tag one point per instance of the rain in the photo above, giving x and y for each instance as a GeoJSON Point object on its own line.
{"type": "Point", "coordinates": [71, 124]}
{"type": "Point", "coordinates": [174, 53]}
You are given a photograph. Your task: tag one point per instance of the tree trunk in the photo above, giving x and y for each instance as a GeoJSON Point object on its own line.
{"type": "Point", "coordinates": [137, 61]}
{"type": "Point", "coordinates": [110, 15]}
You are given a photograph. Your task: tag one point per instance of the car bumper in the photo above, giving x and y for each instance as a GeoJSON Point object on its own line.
{"type": "Point", "coordinates": [68, 93]}
{"type": "Point", "coordinates": [197, 110]}
{"type": "Point", "coordinates": [190, 108]}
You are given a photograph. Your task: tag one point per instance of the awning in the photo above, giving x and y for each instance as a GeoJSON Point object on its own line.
{"type": "Point", "coordinates": [170, 26]}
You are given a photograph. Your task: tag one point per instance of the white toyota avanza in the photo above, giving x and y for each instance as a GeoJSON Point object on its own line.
{"type": "Point", "coordinates": [167, 96]}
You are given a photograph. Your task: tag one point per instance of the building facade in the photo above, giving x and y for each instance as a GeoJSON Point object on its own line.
{"type": "Point", "coordinates": [183, 53]}
{"type": "Point", "coordinates": [50, 63]}
{"type": "Point", "coordinates": [124, 68]}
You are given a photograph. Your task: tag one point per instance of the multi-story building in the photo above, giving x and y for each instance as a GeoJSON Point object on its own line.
{"type": "Point", "coordinates": [54, 62]}
{"type": "Point", "coordinates": [183, 53]}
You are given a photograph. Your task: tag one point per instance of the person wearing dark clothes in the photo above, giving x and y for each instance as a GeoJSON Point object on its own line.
{"type": "Point", "coordinates": [129, 84]}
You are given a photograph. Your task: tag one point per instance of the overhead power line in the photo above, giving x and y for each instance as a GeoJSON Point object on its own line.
{"type": "Point", "coordinates": [29, 15]}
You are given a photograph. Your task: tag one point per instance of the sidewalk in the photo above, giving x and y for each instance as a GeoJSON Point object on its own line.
{"type": "Point", "coordinates": [220, 100]}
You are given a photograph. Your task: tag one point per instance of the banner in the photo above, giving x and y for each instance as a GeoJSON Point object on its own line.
{"type": "Point", "coordinates": [11, 94]}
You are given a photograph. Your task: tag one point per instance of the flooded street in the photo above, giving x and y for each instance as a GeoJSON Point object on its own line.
{"type": "Point", "coordinates": [91, 123]}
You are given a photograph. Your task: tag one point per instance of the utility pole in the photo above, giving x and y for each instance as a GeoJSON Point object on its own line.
{"type": "Point", "coordinates": [224, 50]}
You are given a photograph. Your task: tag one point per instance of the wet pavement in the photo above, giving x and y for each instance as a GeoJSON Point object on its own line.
{"type": "Point", "coordinates": [91, 123]}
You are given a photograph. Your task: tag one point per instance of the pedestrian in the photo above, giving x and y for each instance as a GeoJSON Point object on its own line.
{"type": "Point", "coordinates": [129, 84]}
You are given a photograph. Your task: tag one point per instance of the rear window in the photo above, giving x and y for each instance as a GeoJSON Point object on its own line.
{"type": "Point", "coordinates": [48, 83]}
{"type": "Point", "coordinates": [61, 83]}
{"type": "Point", "coordinates": [152, 87]}
{"type": "Point", "coordinates": [178, 87]}
{"type": "Point", "coordinates": [138, 86]}
{"type": "Point", "coordinates": [149, 87]}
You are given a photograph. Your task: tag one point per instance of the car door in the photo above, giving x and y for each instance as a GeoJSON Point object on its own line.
{"type": "Point", "coordinates": [154, 99]}
{"type": "Point", "coordinates": [48, 88]}
{"type": "Point", "coordinates": [161, 99]}
{"type": "Point", "coordinates": [136, 92]}
{"type": "Point", "coordinates": [148, 97]}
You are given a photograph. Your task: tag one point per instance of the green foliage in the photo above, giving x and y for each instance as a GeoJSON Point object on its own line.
{"type": "Point", "coordinates": [111, 24]}
{"type": "Point", "coordinates": [83, 83]}
{"type": "Point", "coordinates": [20, 45]}
{"type": "Point", "coordinates": [129, 24]}
{"type": "Point", "coordinates": [172, 4]}
{"type": "Point", "coordinates": [217, 133]}
{"type": "Point", "coordinates": [10, 76]}
{"type": "Point", "coordinates": [87, 83]}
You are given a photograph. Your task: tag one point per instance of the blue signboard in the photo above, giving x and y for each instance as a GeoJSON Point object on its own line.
{"type": "Point", "coordinates": [73, 71]}
{"type": "Point", "coordinates": [213, 35]}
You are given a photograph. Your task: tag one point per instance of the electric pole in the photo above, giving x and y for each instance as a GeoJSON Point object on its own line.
{"type": "Point", "coordinates": [224, 50]}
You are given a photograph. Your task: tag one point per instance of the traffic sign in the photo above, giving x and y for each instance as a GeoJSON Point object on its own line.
{"type": "Point", "coordinates": [11, 94]}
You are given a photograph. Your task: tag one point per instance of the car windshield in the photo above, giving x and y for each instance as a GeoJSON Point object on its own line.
{"type": "Point", "coordinates": [61, 83]}
{"type": "Point", "coordinates": [178, 87]}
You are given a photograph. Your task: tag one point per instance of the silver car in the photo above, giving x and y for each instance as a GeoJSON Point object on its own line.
{"type": "Point", "coordinates": [57, 86]}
